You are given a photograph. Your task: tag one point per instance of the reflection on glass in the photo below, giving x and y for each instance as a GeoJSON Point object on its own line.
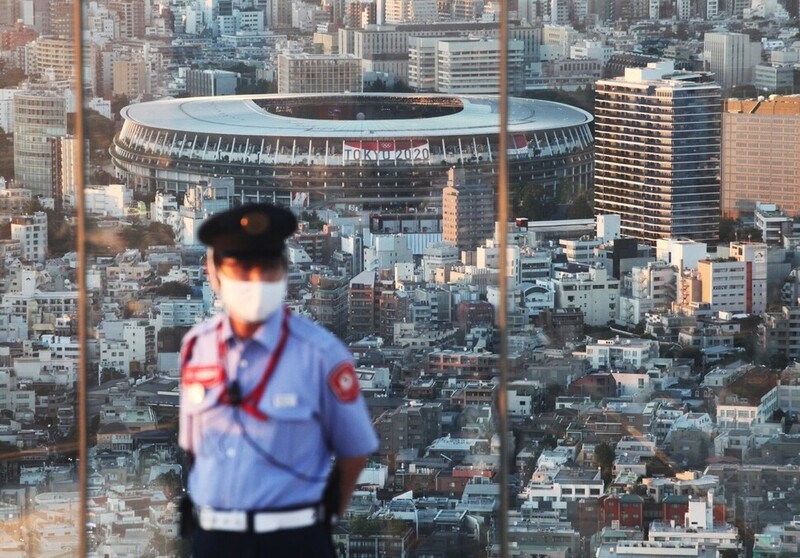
{"type": "Point", "coordinates": [637, 423]}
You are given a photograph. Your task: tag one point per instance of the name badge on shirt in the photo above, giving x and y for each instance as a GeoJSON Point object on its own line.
{"type": "Point", "coordinates": [284, 400]}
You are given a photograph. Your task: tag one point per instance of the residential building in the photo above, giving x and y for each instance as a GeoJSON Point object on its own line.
{"type": "Point", "coordinates": [657, 152]}
{"type": "Point", "coordinates": [750, 400]}
{"type": "Point", "coordinates": [410, 426]}
{"type": "Point", "coordinates": [38, 117]}
{"type": "Point", "coordinates": [319, 73]}
{"type": "Point", "coordinates": [646, 289]}
{"type": "Point", "coordinates": [472, 66]}
{"type": "Point", "coordinates": [467, 210]}
{"type": "Point", "coordinates": [737, 284]}
{"type": "Point", "coordinates": [410, 11]}
{"type": "Point", "coordinates": [31, 232]}
{"type": "Point", "coordinates": [54, 58]}
{"type": "Point", "coordinates": [131, 78]}
{"type": "Point", "coordinates": [619, 353]}
{"type": "Point", "coordinates": [328, 303]}
{"type": "Point", "coordinates": [754, 256]}
{"type": "Point", "coordinates": [362, 295]}
{"type": "Point", "coordinates": [699, 527]}
{"type": "Point", "coordinates": [593, 291]}
{"type": "Point", "coordinates": [760, 142]}
{"type": "Point", "coordinates": [472, 365]}
{"type": "Point", "coordinates": [773, 223]}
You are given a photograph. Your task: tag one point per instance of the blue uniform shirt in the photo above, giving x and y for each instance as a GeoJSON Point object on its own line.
{"type": "Point", "coordinates": [313, 411]}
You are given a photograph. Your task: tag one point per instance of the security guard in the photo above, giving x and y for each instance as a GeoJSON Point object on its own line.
{"type": "Point", "coordinates": [267, 398]}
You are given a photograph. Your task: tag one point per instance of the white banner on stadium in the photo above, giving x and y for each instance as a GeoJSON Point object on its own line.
{"type": "Point", "coordinates": [385, 150]}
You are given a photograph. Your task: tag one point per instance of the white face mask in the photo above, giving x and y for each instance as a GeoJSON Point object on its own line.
{"type": "Point", "coordinates": [251, 301]}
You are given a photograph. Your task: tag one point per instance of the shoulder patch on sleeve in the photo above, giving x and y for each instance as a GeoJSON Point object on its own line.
{"type": "Point", "coordinates": [344, 383]}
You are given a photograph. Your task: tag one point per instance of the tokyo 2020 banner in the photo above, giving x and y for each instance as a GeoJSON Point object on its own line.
{"type": "Point", "coordinates": [385, 150]}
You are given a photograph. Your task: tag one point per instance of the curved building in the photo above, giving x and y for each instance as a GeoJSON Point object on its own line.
{"type": "Point", "coordinates": [372, 150]}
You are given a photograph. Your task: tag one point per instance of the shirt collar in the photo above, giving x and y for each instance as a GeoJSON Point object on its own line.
{"type": "Point", "coordinates": [267, 335]}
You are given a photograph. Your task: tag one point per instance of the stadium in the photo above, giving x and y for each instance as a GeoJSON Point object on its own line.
{"type": "Point", "coordinates": [373, 151]}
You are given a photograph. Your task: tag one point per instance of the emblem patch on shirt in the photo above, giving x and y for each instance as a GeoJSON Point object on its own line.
{"type": "Point", "coordinates": [206, 376]}
{"type": "Point", "coordinates": [344, 383]}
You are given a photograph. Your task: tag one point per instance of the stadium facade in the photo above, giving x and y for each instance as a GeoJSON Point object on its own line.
{"type": "Point", "coordinates": [370, 150]}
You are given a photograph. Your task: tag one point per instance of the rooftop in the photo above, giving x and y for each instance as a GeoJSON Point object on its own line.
{"type": "Point", "coordinates": [266, 115]}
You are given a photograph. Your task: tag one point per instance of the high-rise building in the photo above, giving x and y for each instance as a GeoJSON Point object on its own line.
{"type": "Point", "coordinates": [467, 210]}
{"type": "Point", "coordinates": [411, 11]}
{"type": "Point", "coordinates": [731, 57]}
{"type": "Point", "coordinates": [319, 73]}
{"type": "Point", "coordinates": [657, 149]}
{"type": "Point", "coordinates": [67, 156]}
{"type": "Point", "coordinates": [54, 57]}
{"type": "Point", "coordinates": [38, 115]}
{"type": "Point", "coordinates": [760, 143]}
{"type": "Point", "coordinates": [131, 17]}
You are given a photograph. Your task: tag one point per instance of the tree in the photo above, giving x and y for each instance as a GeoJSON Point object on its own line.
{"type": "Point", "coordinates": [118, 102]}
{"type": "Point", "coordinates": [581, 207]}
{"type": "Point", "coordinates": [604, 459]}
{"type": "Point", "coordinates": [10, 76]}
{"type": "Point", "coordinates": [141, 237]}
{"type": "Point", "coordinates": [173, 289]}
{"type": "Point", "coordinates": [170, 482]}
{"type": "Point", "coordinates": [6, 155]}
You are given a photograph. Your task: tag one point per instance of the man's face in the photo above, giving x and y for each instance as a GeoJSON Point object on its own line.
{"type": "Point", "coordinates": [244, 269]}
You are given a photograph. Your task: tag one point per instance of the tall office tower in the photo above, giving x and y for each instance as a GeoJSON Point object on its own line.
{"type": "Point", "coordinates": [731, 57]}
{"type": "Point", "coordinates": [760, 143]}
{"type": "Point", "coordinates": [657, 148]}
{"type": "Point", "coordinates": [38, 116]}
{"type": "Point", "coordinates": [411, 11]}
{"type": "Point", "coordinates": [467, 210]}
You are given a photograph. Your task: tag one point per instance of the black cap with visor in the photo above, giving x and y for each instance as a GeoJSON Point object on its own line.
{"type": "Point", "coordinates": [252, 231]}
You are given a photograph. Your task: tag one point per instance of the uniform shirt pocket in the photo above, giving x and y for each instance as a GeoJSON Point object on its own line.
{"type": "Point", "coordinates": [291, 434]}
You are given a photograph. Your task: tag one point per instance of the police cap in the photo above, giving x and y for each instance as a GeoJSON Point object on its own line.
{"type": "Point", "coordinates": [249, 231]}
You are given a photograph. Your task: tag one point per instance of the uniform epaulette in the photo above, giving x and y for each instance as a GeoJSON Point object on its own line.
{"type": "Point", "coordinates": [187, 344]}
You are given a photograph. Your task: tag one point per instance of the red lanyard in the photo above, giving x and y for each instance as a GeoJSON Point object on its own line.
{"type": "Point", "coordinates": [250, 403]}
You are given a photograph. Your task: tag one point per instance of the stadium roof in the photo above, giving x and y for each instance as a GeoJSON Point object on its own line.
{"type": "Point", "coordinates": [241, 115]}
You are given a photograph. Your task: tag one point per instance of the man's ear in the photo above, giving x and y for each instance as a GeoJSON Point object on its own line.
{"type": "Point", "coordinates": [211, 271]}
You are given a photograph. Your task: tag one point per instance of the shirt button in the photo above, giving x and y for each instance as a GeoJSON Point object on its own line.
{"type": "Point", "coordinates": [243, 363]}
{"type": "Point", "coordinates": [231, 453]}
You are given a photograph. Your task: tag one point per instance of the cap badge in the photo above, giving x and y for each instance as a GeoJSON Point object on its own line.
{"type": "Point", "coordinates": [254, 223]}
